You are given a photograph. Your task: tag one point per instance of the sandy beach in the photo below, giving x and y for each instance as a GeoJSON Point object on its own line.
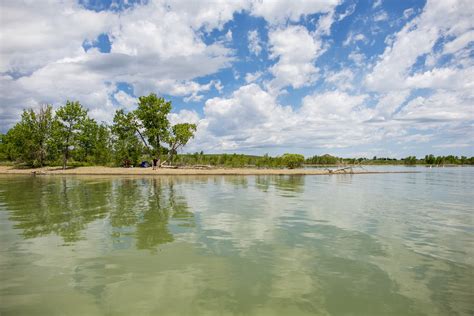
{"type": "Point", "coordinates": [181, 171]}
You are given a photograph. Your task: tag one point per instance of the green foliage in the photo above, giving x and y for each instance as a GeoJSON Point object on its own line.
{"type": "Point", "coordinates": [430, 159]}
{"type": "Point", "coordinates": [27, 142]}
{"type": "Point", "coordinates": [102, 152]}
{"type": "Point", "coordinates": [71, 119]}
{"type": "Point", "coordinates": [323, 160]}
{"type": "Point", "coordinates": [293, 161]}
{"type": "Point", "coordinates": [150, 123]}
{"type": "Point", "coordinates": [152, 117]}
{"type": "Point", "coordinates": [180, 136]}
{"type": "Point", "coordinates": [126, 146]}
{"type": "Point", "coordinates": [410, 160]}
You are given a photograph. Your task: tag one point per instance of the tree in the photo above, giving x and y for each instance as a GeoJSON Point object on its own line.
{"type": "Point", "coordinates": [410, 160]}
{"type": "Point", "coordinates": [180, 135]}
{"type": "Point", "coordinates": [430, 159]}
{"type": "Point", "coordinates": [152, 116]}
{"type": "Point", "coordinates": [27, 141]}
{"type": "Point", "coordinates": [69, 123]}
{"type": "Point", "coordinates": [126, 145]}
{"type": "Point", "coordinates": [102, 148]}
{"type": "Point", "coordinates": [86, 140]}
{"type": "Point", "coordinates": [150, 122]}
{"type": "Point", "coordinates": [292, 161]}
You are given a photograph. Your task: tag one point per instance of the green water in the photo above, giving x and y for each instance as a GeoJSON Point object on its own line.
{"type": "Point", "coordinates": [380, 244]}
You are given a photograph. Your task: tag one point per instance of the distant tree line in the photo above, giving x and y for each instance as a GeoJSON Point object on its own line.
{"type": "Point", "coordinates": [410, 160]}
{"type": "Point", "coordinates": [241, 161]}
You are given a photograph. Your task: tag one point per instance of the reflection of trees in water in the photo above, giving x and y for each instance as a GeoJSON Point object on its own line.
{"type": "Point", "coordinates": [65, 206]}
{"type": "Point", "coordinates": [237, 181]}
{"type": "Point", "coordinates": [144, 208]}
{"type": "Point", "coordinates": [285, 183]}
{"type": "Point", "coordinates": [42, 206]}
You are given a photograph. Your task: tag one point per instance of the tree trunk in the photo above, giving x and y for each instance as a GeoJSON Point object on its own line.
{"type": "Point", "coordinates": [66, 150]}
{"type": "Point", "coordinates": [143, 140]}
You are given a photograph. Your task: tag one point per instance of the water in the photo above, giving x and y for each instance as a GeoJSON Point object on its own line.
{"type": "Point", "coordinates": [379, 244]}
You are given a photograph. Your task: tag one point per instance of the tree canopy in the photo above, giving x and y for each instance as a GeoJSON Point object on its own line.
{"type": "Point", "coordinates": [44, 137]}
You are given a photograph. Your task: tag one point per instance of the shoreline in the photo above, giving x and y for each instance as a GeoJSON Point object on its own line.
{"type": "Point", "coordinates": [117, 171]}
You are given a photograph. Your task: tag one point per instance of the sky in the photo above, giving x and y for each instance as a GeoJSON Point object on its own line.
{"type": "Point", "coordinates": [349, 78]}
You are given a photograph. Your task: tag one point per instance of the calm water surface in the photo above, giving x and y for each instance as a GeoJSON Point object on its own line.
{"type": "Point", "coordinates": [381, 244]}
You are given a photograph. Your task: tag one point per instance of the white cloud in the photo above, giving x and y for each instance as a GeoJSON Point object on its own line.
{"type": "Point", "coordinates": [324, 24]}
{"type": "Point", "coordinates": [228, 36]}
{"type": "Point", "coordinates": [251, 118]}
{"type": "Point", "coordinates": [208, 14]}
{"type": "Point", "coordinates": [184, 116]}
{"type": "Point", "coordinates": [438, 108]}
{"type": "Point", "coordinates": [252, 77]}
{"type": "Point", "coordinates": [334, 106]}
{"type": "Point", "coordinates": [255, 46]}
{"type": "Point", "coordinates": [33, 34]}
{"type": "Point", "coordinates": [459, 43]}
{"type": "Point", "coordinates": [389, 102]}
{"type": "Point", "coordinates": [342, 79]}
{"type": "Point", "coordinates": [295, 66]}
{"type": "Point", "coordinates": [350, 10]}
{"type": "Point", "coordinates": [408, 13]}
{"type": "Point", "coordinates": [381, 16]}
{"type": "Point", "coordinates": [279, 11]}
{"type": "Point", "coordinates": [354, 38]}
{"type": "Point", "coordinates": [357, 57]}
{"type": "Point", "coordinates": [438, 18]}
{"type": "Point", "coordinates": [377, 4]}
{"type": "Point", "coordinates": [125, 100]}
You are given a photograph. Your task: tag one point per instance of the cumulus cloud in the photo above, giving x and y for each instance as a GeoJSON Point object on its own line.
{"type": "Point", "coordinates": [280, 11]}
{"type": "Point", "coordinates": [439, 18]}
{"type": "Point", "coordinates": [252, 118]}
{"type": "Point", "coordinates": [295, 66]}
{"type": "Point", "coordinates": [446, 107]}
{"type": "Point", "coordinates": [33, 34]}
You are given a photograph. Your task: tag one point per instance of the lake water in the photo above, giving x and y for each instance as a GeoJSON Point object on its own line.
{"type": "Point", "coordinates": [378, 244]}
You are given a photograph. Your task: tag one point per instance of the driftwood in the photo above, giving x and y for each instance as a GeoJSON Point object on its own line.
{"type": "Point", "coordinates": [347, 169]}
{"type": "Point", "coordinates": [168, 166]}
{"type": "Point", "coordinates": [164, 165]}
{"type": "Point", "coordinates": [201, 167]}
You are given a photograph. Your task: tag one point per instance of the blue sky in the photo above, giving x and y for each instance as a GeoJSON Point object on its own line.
{"type": "Point", "coordinates": [350, 78]}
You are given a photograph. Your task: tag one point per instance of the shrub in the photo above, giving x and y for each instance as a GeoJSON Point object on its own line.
{"type": "Point", "coordinates": [292, 161]}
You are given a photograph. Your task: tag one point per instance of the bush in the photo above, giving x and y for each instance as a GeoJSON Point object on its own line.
{"type": "Point", "coordinates": [292, 161]}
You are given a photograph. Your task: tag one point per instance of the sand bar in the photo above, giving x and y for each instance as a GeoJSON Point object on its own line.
{"type": "Point", "coordinates": [181, 171]}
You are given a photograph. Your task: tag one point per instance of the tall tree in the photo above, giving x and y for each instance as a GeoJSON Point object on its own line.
{"type": "Point", "coordinates": [70, 120]}
{"type": "Point", "coordinates": [28, 140]}
{"type": "Point", "coordinates": [152, 118]}
{"type": "Point", "coordinates": [126, 145]}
